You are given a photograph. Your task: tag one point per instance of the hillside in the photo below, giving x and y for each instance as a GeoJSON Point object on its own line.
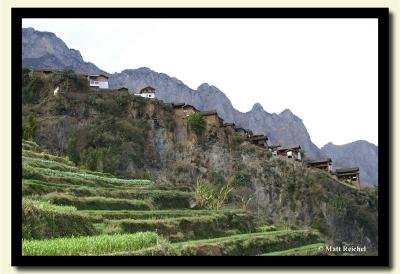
{"type": "Point", "coordinates": [44, 50]}
{"type": "Point", "coordinates": [114, 132]}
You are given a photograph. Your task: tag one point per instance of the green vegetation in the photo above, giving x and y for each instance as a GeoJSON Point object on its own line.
{"type": "Point", "coordinates": [29, 127]}
{"type": "Point", "coordinates": [97, 202]}
{"type": "Point", "coordinates": [212, 197]}
{"type": "Point", "coordinates": [31, 89]}
{"type": "Point", "coordinates": [100, 159]}
{"type": "Point", "coordinates": [41, 220]}
{"type": "Point", "coordinates": [154, 214]}
{"type": "Point", "coordinates": [196, 123]}
{"type": "Point", "coordinates": [305, 250]}
{"type": "Point", "coordinates": [94, 245]}
{"type": "Point", "coordinates": [249, 244]}
{"type": "Point", "coordinates": [69, 80]}
{"type": "Point", "coordinates": [128, 171]}
{"type": "Point", "coordinates": [42, 172]}
{"type": "Point", "coordinates": [184, 228]}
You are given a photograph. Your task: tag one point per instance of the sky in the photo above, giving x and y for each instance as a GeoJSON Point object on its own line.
{"type": "Point", "coordinates": [324, 70]}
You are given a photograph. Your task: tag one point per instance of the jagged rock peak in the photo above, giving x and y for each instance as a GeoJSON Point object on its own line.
{"type": "Point", "coordinates": [207, 87]}
{"type": "Point", "coordinates": [286, 112]}
{"type": "Point", "coordinates": [257, 107]}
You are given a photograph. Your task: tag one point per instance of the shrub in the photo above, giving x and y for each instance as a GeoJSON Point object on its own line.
{"type": "Point", "coordinates": [236, 141]}
{"type": "Point", "coordinates": [29, 127]}
{"type": "Point", "coordinates": [72, 151]}
{"type": "Point", "coordinates": [100, 159]}
{"type": "Point", "coordinates": [242, 178]}
{"type": "Point", "coordinates": [26, 76]}
{"type": "Point", "coordinates": [69, 79]}
{"type": "Point", "coordinates": [216, 178]}
{"type": "Point", "coordinates": [196, 123]}
{"type": "Point", "coordinates": [31, 91]}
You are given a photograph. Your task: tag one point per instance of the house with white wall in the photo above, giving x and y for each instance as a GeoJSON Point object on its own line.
{"type": "Point", "coordinates": [98, 81]}
{"type": "Point", "coordinates": [147, 92]}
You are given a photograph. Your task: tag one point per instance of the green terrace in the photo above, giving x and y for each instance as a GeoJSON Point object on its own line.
{"type": "Point", "coordinates": [90, 245]}
{"type": "Point", "coordinates": [305, 250]}
{"type": "Point", "coordinates": [154, 214]}
{"type": "Point", "coordinates": [249, 244]}
{"type": "Point", "coordinates": [70, 211]}
{"type": "Point", "coordinates": [185, 228]}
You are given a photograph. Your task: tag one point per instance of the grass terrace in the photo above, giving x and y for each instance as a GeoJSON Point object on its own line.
{"type": "Point", "coordinates": [87, 246]}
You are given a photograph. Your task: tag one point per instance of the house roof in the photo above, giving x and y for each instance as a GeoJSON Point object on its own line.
{"type": "Point", "coordinates": [209, 112]}
{"type": "Point", "coordinates": [258, 137]}
{"type": "Point", "coordinates": [177, 105]}
{"type": "Point", "coordinates": [229, 124]}
{"type": "Point", "coordinates": [295, 147]}
{"type": "Point", "coordinates": [239, 128]}
{"type": "Point", "coordinates": [321, 161]}
{"type": "Point", "coordinates": [190, 106]}
{"type": "Point", "coordinates": [283, 149]}
{"type": "Point", "coordinates": [347, 170]}
{"type": "Point", "coordinates": [98, 75]}
{"type": "Point", "coordinates": [147, 89]}
{"type": "Point", "coordinates": [183, 105]}
{"type": "Point", "coordinates": [123, 88]}
{"type": "Point", "coordinates": [43, 70]}
{"type": "Point", "coordinates": [274, 146]}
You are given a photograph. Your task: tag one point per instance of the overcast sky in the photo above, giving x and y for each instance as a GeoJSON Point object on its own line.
{"type": "Point", "coordinates": [324, 70]}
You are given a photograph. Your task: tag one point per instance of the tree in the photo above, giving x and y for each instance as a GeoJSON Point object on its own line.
{"type": "Point", "coordinates": [29, 127]}
{"type": "Point", "coordinates": [196, 123]}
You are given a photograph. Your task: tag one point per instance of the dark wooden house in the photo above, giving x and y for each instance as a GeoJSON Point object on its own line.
{"type": "Point", "coordinates": [259, 140]}
{"type": "Point", "coordinates": [211, 118]}
{"type": "Point", "coordinates": [323, 164]}
{"type": "Point", "coordinates": [350, 176]}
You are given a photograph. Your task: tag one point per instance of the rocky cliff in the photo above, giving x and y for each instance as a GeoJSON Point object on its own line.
{"type": "Point", "coordinates": [130, 136]}
{"type": "Point", "coordinates": [45, 50]}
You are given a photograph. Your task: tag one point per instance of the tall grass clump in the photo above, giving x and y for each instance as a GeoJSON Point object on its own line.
{"type": "Point", "coordinates": [208, 196]}
{"type": "Point", "coordinates": [91, 245]}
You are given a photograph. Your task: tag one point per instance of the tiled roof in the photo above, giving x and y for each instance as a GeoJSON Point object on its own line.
{"type": "Point", "coordinates": [347, 170]}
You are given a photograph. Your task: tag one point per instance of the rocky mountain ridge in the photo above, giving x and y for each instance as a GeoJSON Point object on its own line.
{"type": "Point", "coordinates": [44, 50]}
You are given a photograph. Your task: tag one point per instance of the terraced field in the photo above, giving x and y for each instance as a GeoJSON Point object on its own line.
{"type": "Point", "coordinates": [70, 211]}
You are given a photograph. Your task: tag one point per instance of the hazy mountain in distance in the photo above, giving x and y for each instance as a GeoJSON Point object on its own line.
{"type": "Point", "coordinates": [359, 153]}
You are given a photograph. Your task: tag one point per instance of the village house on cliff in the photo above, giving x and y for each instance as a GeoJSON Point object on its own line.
{"type": "Point", "coordinates": [293, 152]}
{"type": "Point", "coordinates": [147, 92]}
{"type": "Point", "coordinates": [98, 81]}
{"type": "Point", "coordinates": [212, 118]}
{"type": "Point", "coordinates": [323, 164]}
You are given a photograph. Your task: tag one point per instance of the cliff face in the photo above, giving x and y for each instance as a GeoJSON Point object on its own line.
{"type": "Point", "coordinates": [44, 50]}
{"type": "Point", "coordinates": [131, 136]}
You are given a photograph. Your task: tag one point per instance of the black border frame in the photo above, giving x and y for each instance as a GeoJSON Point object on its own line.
{"type": "Point", "coordinates": [382, 14]}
